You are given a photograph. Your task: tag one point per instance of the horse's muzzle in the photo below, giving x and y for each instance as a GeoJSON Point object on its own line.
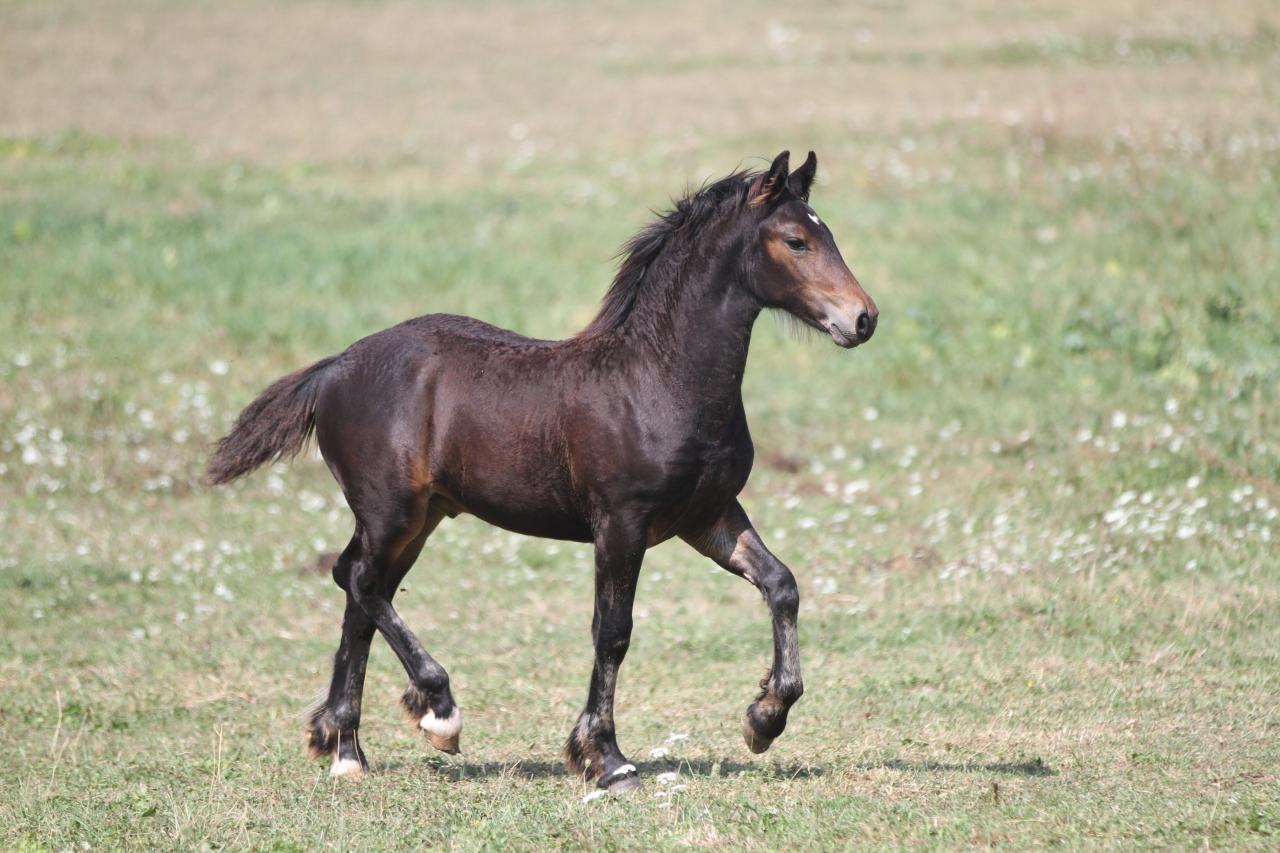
{"type": "Point", "coordinates": [849, 334]}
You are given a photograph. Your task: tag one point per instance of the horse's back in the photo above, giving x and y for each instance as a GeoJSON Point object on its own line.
{"type": "Point", "coordinates": [468, 329]}
{"type": "Point", "coordinates": [454, 407]}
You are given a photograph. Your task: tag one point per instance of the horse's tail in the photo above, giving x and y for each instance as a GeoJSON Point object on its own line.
{"type": "Point", "coordinates": [275, 425]}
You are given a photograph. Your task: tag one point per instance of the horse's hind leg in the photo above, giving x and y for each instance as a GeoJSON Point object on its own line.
{"type": "Point", "coordinates": [428, 701]}
{"type": "Point", "coordinates": [334, 724]}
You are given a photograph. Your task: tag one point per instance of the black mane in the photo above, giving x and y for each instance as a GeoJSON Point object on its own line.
{"type": "Point", "coordinates": [689, 215]}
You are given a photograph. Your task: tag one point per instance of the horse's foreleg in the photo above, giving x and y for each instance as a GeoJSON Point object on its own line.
{"type": "Point", "coordinates": [592, 749]}
{"type": "Point", "coordinates": [734, 544]}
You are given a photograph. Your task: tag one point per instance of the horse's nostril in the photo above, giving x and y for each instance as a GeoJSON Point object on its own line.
{"type": "Point", "coordinates": [863, 325]}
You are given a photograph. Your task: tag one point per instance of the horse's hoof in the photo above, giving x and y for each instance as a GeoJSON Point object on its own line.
{"type": "Point", "coordinates": [443, 733]}
{"type": "Point", "coordinates": [347, 768]}
{"type": "Point", "coordinates": [621, 781]}
{"type": "Point", "coordinates": [445, 744]}
{"type": "Point", "coordinates": [756, 742]}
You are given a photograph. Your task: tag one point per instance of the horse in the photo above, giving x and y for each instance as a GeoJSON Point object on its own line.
{"type": "Point", "coordinates": [624, 435]}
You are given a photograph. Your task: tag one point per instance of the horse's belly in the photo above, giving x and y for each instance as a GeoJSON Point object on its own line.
{"type": "Point", "coordinates": [520, 492]}
{"type": "Point", "coordinates": [540, 521]}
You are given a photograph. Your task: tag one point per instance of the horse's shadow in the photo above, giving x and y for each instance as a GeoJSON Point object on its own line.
{"type": "Point", "coordinates": [464, 771]}
{"type": "Point", "coordinates": [1032, 767]}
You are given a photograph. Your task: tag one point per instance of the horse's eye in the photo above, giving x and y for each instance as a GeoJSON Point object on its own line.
{"type": "Point", "coordinates": [795, 243]}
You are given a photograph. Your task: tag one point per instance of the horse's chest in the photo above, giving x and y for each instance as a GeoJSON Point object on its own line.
{"type": "Point", "coordinates": [716, 458]}
{"type": "Point", "coordinates": [699, 485]}
{"type": "Point", "coordinates": [719, 480]}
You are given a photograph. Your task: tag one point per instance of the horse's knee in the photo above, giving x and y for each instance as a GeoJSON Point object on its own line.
{"type": "Point", "coordinates": [615, 648]}
{"type": "Point", "coordinates": [614, 638]}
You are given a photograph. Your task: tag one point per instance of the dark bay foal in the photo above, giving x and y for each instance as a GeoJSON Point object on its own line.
{"type": "Point", "coordinates": [625, 435]}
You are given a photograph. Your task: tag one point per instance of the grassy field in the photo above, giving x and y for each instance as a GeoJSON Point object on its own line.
{"type": "Point", "coordinates": [1036, 533]}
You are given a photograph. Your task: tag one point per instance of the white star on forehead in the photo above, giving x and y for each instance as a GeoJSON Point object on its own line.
{"type": "Point", "coordinates": [814, 217]}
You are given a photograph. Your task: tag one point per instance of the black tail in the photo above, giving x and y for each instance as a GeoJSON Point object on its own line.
{"type": "Point", "coordinates": [276, 424]}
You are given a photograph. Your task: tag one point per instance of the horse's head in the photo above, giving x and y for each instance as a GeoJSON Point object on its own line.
{"type": "Point", "coordinates": [794, 264]}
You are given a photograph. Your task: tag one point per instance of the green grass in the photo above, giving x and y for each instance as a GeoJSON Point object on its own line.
{"type": "Point", "coordinates": [1034, 521]}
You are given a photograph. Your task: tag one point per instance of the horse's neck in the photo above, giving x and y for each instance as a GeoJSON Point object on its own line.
{"type": "Point", "coordinates": [696, 331]}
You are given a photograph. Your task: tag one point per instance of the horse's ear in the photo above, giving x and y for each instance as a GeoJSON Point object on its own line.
{"type": "Point", "coordinates": [802, 179]}
{"type": "Point", "coordinates": [770, 185]}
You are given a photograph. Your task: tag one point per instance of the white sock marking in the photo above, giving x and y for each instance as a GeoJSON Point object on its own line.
{"type": "Point", "coordinates": [345, 767]}
{"type": "Point", "coordinates": [626, 768]}
{"type": "Point", "coordinates": [445, 728]}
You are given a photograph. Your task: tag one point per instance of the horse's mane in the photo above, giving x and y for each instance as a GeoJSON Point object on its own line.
{"type": "Point", "coordinates": [689, 215]}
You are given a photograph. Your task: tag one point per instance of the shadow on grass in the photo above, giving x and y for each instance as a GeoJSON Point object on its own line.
{"type": "Point", "coordinates": [463, 771]}
{"type": "Point", "coordinates": [1030, 767]}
